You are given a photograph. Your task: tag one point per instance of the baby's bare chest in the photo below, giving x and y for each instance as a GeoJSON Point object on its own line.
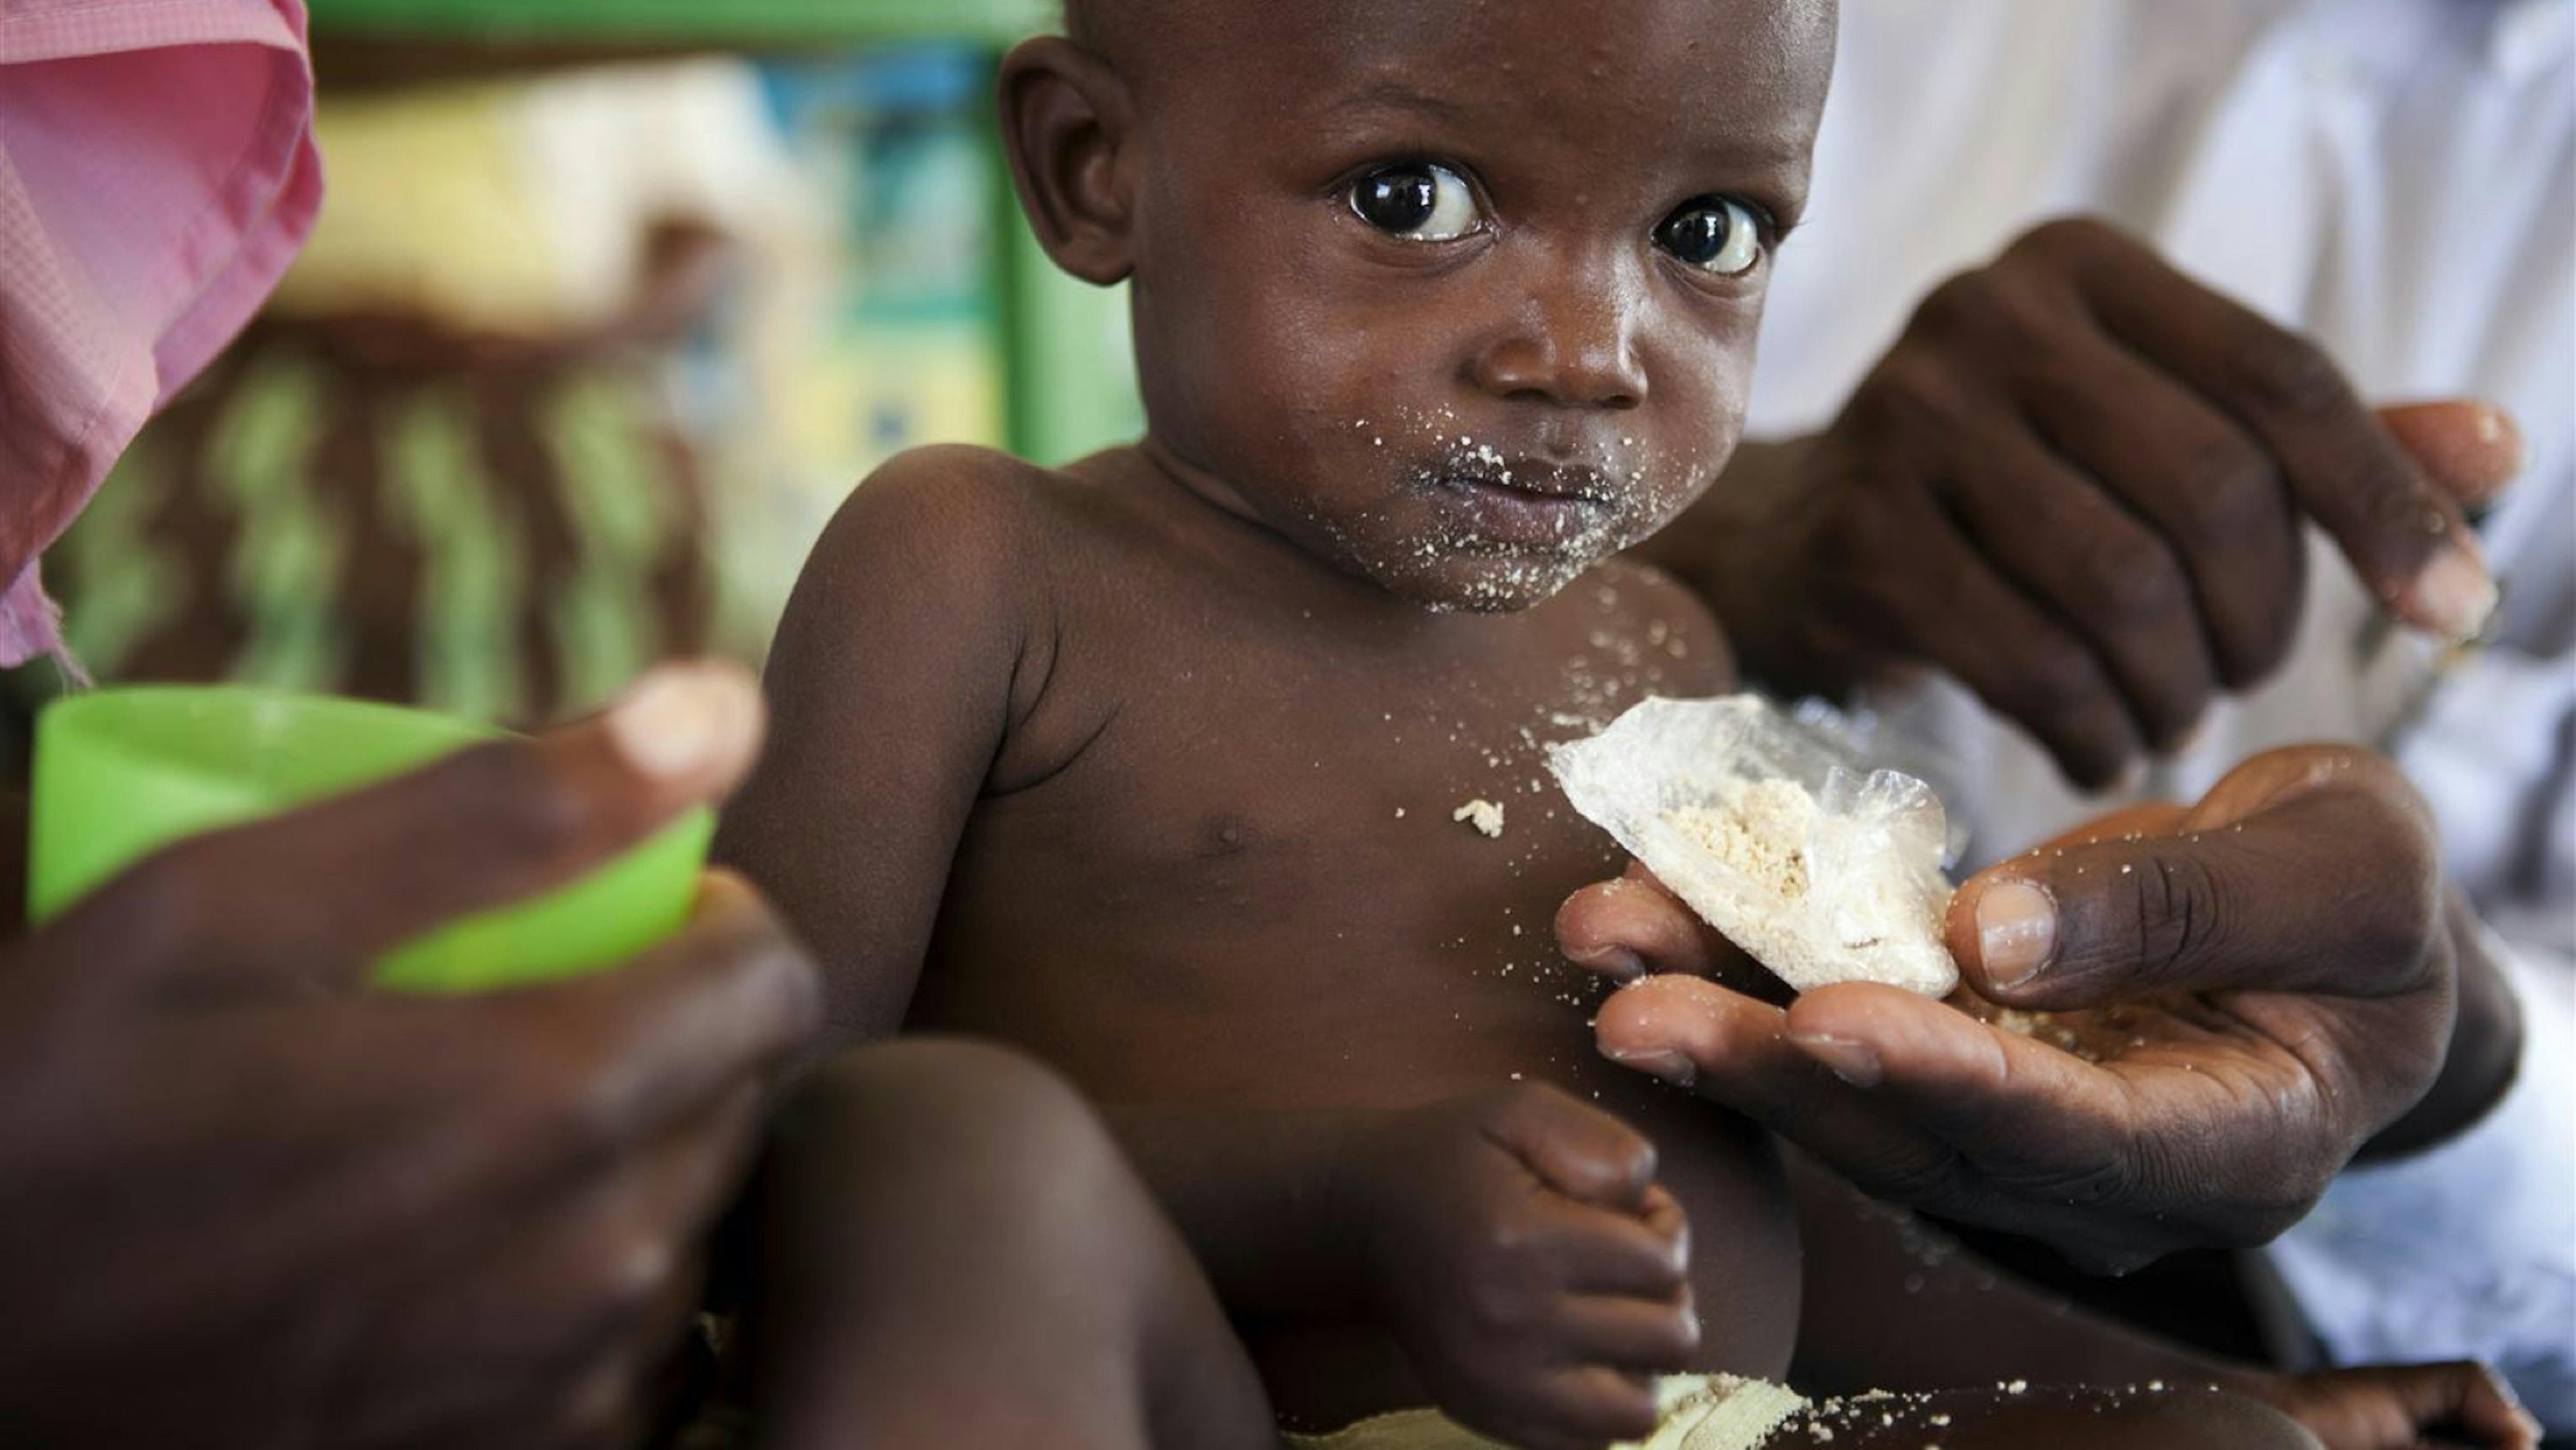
{"type": "Point", "coordinates": [1305, 873]}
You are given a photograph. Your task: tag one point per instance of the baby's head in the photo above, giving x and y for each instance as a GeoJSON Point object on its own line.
{"type": "Point", "coordinates": [1460, 295]}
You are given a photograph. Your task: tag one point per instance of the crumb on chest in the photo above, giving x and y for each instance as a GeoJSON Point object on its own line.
{"type": "Point", "coordinates": [1484, 815]}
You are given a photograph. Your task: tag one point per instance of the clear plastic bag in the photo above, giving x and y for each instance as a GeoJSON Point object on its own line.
{"type": "Point", "coordinates": [1777, 835]}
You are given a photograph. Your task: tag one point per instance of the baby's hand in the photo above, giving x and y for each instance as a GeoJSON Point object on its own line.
{"type": "Point", "coordinates": [2399, 1407]}
{"type": "Point", "coordinates": [1527, 1261]}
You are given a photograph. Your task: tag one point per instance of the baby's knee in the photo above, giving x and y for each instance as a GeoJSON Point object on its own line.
{"type": "Point", "coordinates": [944, 1085]}
{"type": "Point", "coordinates": [959, 1118]}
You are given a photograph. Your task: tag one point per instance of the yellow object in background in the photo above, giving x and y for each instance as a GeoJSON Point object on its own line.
{"type": "Point", "coordinates": [488, 264]}
{"type": "Point", "coordinates": [522, 207]}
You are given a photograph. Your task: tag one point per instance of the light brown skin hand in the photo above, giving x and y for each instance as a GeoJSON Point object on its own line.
{"type": "Point", "coordinates": [252, 1203]}
{"type": "Point", "coordinates": [2077, 484]}
{"type": "Point", "coordinates": [2260, 983]}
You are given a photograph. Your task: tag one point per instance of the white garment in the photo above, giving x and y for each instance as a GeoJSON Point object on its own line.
{"type": "Point", "coordinates": [2396, 178]}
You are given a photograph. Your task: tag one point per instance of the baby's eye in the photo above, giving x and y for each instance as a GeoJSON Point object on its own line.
{"type": "Point", "coordinates": [1713, 234]}
{"type": "Point", "coordinates": [1418, 201]}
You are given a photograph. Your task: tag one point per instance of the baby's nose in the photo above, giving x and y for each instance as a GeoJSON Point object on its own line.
{"type": "Point", "coordinates": [1573, 344]}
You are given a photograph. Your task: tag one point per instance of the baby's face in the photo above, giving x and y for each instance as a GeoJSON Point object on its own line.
{"type": "Point", "coordinates": [1461, 294]}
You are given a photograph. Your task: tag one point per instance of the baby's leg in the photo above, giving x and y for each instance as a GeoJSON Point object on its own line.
{"type": "Point", "coordinates": [950, 1251]}
{"type": "Point", "coordinates": [2039, 1419]}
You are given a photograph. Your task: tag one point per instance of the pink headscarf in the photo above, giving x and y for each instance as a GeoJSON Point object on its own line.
{"type": "Point", "coordinates": [157, 173]}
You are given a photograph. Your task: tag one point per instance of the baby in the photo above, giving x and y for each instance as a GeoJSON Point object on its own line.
{"type": "Point", "coordinates": [1210, 769]}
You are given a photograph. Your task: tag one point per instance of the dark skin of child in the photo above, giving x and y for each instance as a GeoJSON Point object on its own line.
{"type": "Point", "coordinates": [1148, 765]}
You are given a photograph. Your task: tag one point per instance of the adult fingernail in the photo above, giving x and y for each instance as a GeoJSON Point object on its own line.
{"type": "Point", "coordinates": [2454, 596]}
{"type": "Point", "coordinates": [2496, 427]}
{"type": "Point", "coordinates": [2016, 931]}
{"type": "Point", "coordinates": [681, 719]}
{"type": "Point", "coordinates": [1662, 1063]}
{"type": "Point", "coordinates": [1617, 963]}
{"type": "Point", "coordinates": [1851, 1061]}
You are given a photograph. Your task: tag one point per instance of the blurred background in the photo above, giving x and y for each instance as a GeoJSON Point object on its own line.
{"type": "Point", "coordinates": [610, 304]}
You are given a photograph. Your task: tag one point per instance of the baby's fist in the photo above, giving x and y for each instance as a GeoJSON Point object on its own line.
{"type": "Point", "coordinates": [1526, 1259]}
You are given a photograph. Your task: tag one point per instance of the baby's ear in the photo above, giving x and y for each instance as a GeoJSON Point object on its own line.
{"type": "Point", "coordinates": [1066, 118]}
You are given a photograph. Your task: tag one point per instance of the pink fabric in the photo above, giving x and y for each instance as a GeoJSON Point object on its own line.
{"type": "Point", "coordinates": [157, 173]}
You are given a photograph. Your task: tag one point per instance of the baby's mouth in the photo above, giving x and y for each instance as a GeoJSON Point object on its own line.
{"type": "Point", "coordinates": [1525, 503]}
{"type": "Point", "coordinates": [1573, 481]}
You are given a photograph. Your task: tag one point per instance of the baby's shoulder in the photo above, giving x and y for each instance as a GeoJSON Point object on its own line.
{"type": "Point", "coordinates": [951, 499]}
{"type": "Point", "coordinates": [941, 550]}
{"type": "Point", "coordinates": [951, 519]}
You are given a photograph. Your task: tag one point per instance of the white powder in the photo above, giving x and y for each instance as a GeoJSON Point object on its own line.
{"type": "Point", "coordinates": [1757, 830]}
{"type": "Point", "coordinates": [1774, 836]}
{"type": "Point", "coordinates": [1822, 872]}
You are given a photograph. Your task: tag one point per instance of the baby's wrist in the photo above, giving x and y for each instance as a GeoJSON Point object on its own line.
{"type": "Point", "coordinates": [1357, 1207]}
{"type": "Point", "coordinates": [1385, 1215]}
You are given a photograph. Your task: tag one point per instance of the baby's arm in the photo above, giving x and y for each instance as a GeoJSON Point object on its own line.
{"type": "Point", "coordinates": [1893, 1303]}
{"type": "Point", "coordinates": [913, 640]}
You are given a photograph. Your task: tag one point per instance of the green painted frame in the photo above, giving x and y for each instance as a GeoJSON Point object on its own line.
{"type": "Point", "coordinates": [741, 22]}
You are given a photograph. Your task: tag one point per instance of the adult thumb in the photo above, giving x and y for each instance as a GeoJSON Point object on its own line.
{"type": "Point", "coordinates": [2312, 869]}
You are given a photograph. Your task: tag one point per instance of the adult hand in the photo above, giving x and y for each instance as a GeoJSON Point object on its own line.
{"type": "Point", "coordinates": [1524, 1256]}
{"type": "Point", "coordinates": [2077, 483]}
{"type": "Point", "coordinates": [251, 1203]}
{"type": "Point", "coordinates": [2235, 997]}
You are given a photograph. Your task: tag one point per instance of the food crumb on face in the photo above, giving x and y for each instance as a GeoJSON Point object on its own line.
{"type": "Point", "coordinates": [1484, 815]}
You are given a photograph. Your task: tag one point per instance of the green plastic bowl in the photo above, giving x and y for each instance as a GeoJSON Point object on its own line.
{"type": "Point", "coordinates": [121, 773]}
